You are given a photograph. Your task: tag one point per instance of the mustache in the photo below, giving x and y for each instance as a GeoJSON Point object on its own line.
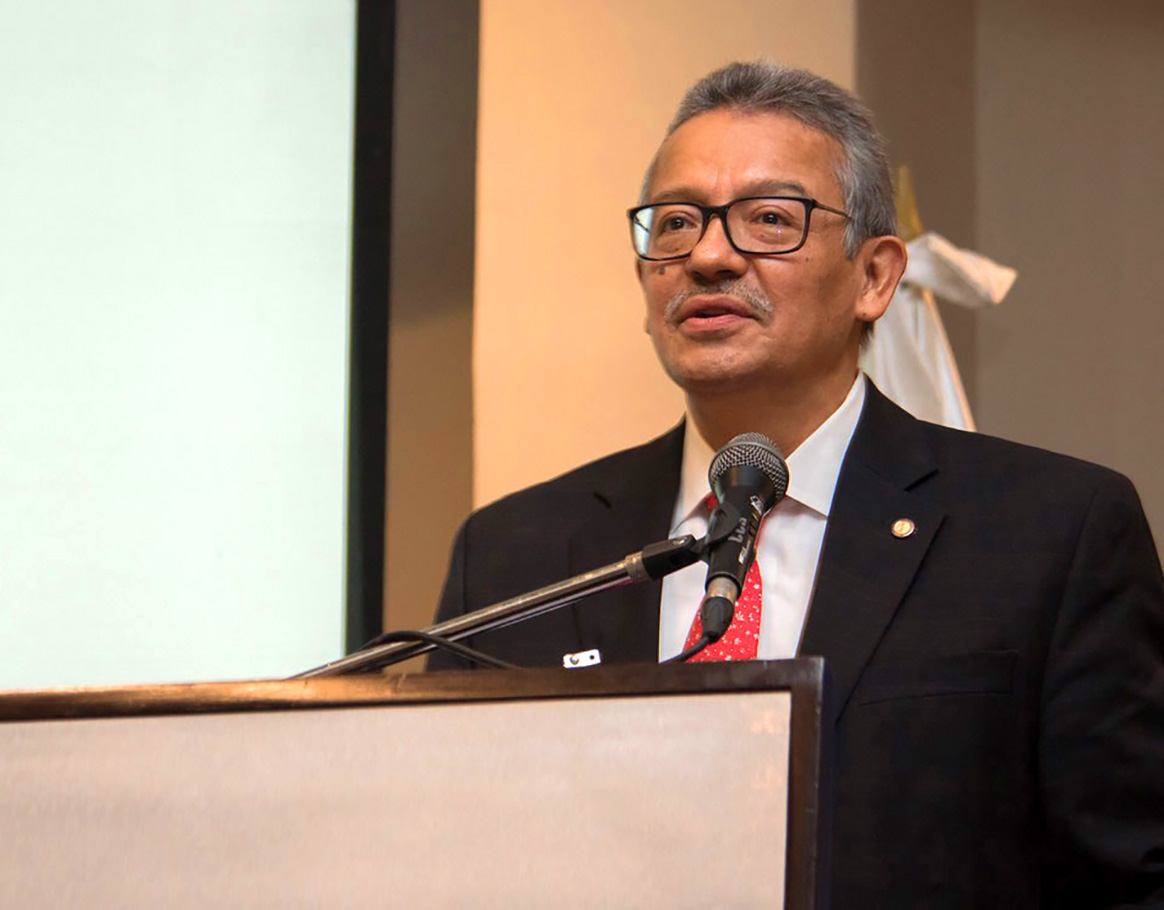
{"type": "Point", "coordinates": [755, 300]}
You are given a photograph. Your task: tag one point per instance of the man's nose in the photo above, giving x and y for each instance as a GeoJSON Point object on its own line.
{"type": "Point", "coordinates": [714, 256]}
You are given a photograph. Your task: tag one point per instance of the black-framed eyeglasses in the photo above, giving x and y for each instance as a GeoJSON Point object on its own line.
{"type": "Point", "coordinates": [758, 225]}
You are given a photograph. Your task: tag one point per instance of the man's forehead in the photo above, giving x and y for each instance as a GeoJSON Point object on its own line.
{"type": "Point", "coordinates": [759, 187]}
{"type": "Point", "coordinates": [744, 153]}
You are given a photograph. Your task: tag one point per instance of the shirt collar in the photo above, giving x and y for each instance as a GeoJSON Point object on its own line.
{"type": "Point", "coordinates": [693, 489]}
{"type": "Point", "coordinates": [813, 468]}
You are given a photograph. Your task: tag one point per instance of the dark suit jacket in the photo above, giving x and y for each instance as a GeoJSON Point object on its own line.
{"type": "Point", "coordinates": [998, 676]}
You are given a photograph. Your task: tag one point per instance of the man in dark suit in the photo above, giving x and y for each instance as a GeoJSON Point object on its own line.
{"type": "Point", "coordinates": [992, 615]}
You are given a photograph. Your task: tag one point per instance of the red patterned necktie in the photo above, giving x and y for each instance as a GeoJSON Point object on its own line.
{"type": "Point", "coordinates": [742, 639]}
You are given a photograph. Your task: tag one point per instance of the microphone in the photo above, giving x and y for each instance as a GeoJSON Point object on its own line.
{"type": "Point", "coordinates": [748, 477]}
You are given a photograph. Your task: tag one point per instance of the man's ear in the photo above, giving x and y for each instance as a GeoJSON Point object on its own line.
{"type": "Point", "coordinates": [882, 263]}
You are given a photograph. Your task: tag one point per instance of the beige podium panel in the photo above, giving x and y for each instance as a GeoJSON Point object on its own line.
{"type": "Point", "coordinates": [643, 787]}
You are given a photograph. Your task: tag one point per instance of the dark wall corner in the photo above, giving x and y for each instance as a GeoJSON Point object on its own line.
{"type": "Point", "coordinates": [916, 70]}
{"type": "Point", "coordinates": [430, 381]}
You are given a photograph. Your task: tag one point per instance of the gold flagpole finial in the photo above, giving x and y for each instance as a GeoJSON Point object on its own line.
{"type": "Point", "coordinates": [909, 223]}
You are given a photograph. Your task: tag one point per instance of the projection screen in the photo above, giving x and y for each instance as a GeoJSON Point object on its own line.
{"type": "Point", "coordinates": [175, 198]}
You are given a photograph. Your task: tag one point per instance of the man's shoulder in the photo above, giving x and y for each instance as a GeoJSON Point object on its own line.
{"type": "Point", "coordinates": [969, 456]}
{"type": "Point", "coordinates": [1028, 489]}
{"type": "Point", "coordinates": [1008, 461]}
{"type": "Point", "coordinates": [628, 473]}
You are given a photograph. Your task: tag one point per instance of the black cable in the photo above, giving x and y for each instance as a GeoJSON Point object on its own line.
{"type": "Point", "coordinates": [715, 616]}
{"type": "Point", "coordinates": [458, 649]}
{"type": "Point", "coordinates": [683, 656]}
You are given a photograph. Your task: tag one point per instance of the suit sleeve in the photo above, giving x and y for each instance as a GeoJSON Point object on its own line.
{"type": "Point", "coordinates": [1101, 741]}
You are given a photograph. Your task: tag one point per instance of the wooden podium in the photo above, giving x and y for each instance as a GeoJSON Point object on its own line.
{"type": "Point", "coordinates": [640, 786]}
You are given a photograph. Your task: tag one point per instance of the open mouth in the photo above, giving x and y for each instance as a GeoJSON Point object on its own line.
{"type": "Point", "coordinates": [708, 314]}
{"type": "Point", "coordinates": [713, 313]}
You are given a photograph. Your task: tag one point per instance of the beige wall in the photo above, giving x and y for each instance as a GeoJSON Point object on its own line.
{"type": "Point", "coordinates": [574, 98]}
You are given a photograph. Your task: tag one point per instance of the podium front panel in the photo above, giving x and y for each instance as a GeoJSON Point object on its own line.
{"type": "Point", "coordinates": [674, 798]}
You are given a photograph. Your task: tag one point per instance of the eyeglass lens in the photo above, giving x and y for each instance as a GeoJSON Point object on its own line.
{"type": "Point", "coordinates": [770, 225]}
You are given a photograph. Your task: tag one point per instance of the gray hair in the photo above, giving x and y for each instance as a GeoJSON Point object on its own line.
{"type": "Point", "coordinates": [863, 173]}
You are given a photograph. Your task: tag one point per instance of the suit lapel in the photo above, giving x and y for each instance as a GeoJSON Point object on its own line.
{"type": "Point", "coordinates": [638, 502]}
{"type": "Point", "coordinates": [865, 568]}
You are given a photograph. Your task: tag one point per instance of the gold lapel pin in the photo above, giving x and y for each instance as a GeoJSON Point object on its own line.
{"type": "Point", "coordinates": [903, 527]}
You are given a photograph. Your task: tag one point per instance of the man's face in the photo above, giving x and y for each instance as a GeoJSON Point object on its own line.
{"type": "Point", "coordinates": [721, 320]}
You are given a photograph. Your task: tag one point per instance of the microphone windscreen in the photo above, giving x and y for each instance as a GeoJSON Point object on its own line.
{"type": "Point", "coordinates": [754, 450]}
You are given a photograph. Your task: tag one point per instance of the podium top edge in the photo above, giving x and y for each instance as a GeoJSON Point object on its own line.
{"type": "Point", "coordinates": [803, 676]}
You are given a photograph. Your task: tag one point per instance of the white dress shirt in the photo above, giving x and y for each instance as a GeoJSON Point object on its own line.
{"type": "Point", "coordinates": [788, 548]}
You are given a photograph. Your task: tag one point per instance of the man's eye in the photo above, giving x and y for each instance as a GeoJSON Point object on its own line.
{"type": "Point", "coordinates": [673, 223]}
{"type": "Point", "coordinates": [771, 217]}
